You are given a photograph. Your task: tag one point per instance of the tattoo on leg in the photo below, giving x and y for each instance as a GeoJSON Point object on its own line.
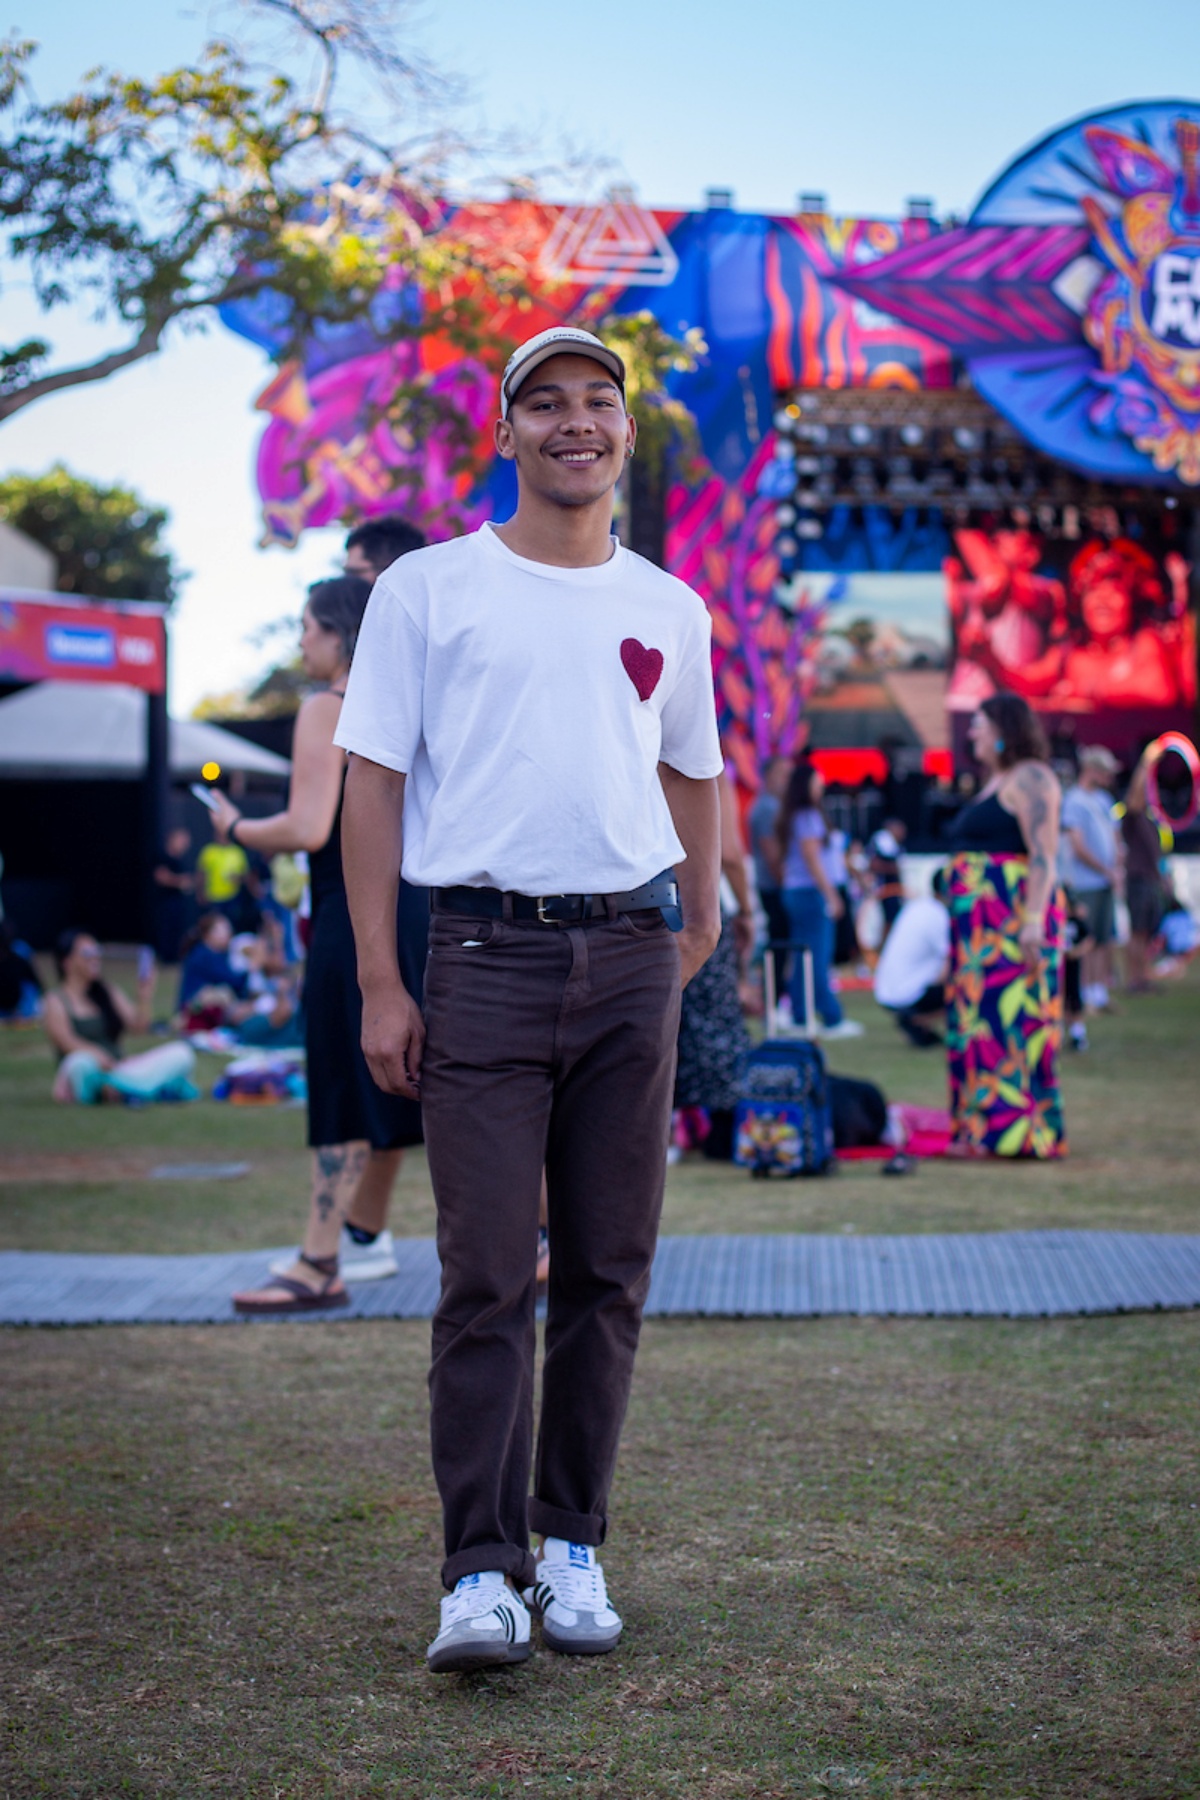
{"type": "Point", "coordinates": [338, 1172]}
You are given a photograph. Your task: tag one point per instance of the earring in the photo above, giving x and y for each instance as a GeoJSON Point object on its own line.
{"type": "Point", "coordinates": [629, 453]}
{"type": "Point", "coordinates": [999, 746]}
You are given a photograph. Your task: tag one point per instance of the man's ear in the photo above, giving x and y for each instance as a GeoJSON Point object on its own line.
{"type": "Point", "coordinates": [502, 437]}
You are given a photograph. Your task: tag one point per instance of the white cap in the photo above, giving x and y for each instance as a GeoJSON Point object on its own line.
{"type": "Point", "coordinates": [560, 340]}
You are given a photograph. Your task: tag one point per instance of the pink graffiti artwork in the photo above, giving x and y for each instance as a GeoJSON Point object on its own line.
{"type": "Point", "coordinates": [337, 447]}
{"type": "Point", "coordinates": [721, 540]}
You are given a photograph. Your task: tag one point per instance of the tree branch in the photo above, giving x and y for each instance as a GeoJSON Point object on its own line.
{"type": "Point", "coordinates": [144, 345]}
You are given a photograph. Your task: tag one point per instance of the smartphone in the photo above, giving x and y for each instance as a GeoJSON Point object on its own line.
{"type": "Point", "coordinates": [204, 796]}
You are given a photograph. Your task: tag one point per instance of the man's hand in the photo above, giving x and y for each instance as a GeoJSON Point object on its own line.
{"type": "Point", "coordinates": [744, 935]}
{"type": "Point", "coordinates": [1032, 940]}
{"type": "Point", "coordinates": [696, 945]}
{"type": "Point", "coordinates": [695, 813]}
{"type": "Point", "coordinates": [393, 1039]}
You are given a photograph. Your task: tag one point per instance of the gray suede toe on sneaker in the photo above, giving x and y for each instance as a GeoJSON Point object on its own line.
{"type": "Point", "coordinates": [571, 1597]}
{"type": "Point", "coordinates": [483, 1624]}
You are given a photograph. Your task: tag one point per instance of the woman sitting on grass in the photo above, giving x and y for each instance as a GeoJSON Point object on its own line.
{"type": "Point", "coordinates": [85, 1019]}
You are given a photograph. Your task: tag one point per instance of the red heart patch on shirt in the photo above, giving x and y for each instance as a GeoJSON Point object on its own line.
{"type": "Point", "coordinates": [643, 667]}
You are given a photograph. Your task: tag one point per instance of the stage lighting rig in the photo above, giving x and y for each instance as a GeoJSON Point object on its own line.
{"type": "Point", "coordinates": [945, 450]}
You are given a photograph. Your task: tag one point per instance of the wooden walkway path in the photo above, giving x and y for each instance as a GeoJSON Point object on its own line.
{"type": "Point", "coordinates": [1015, 1274]}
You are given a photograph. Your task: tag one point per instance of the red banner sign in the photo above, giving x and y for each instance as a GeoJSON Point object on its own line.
{"type": "Point", "coordinates": [52, 638]}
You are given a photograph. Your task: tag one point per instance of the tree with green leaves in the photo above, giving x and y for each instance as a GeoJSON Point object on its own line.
{"type": "Point", "coordinates": [157, 201]}
{"type": "Point", "coordinates": [107, 540]}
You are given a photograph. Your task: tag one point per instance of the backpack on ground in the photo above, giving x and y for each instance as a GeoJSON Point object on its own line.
{"type": "Point", "coordinates": [783, 1121]}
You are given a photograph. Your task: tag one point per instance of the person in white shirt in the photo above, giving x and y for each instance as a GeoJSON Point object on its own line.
{"type": "Point", "coordinates": [537, 702]}
{"type": "Point", "coordinates": [910, 975]}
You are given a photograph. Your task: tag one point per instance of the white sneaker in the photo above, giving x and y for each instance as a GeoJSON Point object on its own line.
{"type": "Point", "coordinates": [845, 1028]}
{"type": "Point", "coordinates": [571, 1597]}
{"type": "Point", "coordinates": [356, 1262]}
{"type": "Point", "coordinates": [483, 1623]}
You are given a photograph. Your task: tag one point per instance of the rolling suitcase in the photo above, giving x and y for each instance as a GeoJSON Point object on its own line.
{"type": "Point", "coordinates": [783, 1122]}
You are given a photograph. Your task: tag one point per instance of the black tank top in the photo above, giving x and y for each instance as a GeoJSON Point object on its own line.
{"type": "Point", "coordinates": [326, 881]}
{"type": "Point", "coordinates": [988, 826]}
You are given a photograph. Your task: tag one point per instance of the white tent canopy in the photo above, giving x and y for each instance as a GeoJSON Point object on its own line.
{"type": "Point", "coordinates": [94, 731]}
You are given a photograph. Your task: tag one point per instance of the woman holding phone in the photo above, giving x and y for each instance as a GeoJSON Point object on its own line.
{"type": "Point", "coordinates": [86, 1017]}
{"type": "Point", "coordinates": [356, 1132]}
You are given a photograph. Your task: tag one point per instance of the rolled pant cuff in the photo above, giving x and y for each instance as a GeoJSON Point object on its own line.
{"type": "Point", "coordinates": [574, 1528]}
{"type": "Point", "coordinates": [510, 1559]}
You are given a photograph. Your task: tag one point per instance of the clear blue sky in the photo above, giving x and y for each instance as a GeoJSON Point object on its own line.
{"type": "Point", "coordinates": [868, 103]}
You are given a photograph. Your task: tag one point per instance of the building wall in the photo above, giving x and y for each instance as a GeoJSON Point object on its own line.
{"type": "Point", "coordinates": [24, 564]}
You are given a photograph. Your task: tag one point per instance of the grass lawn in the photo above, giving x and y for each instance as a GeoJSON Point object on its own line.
{"type": "Point", "coordinates": [1131, 1106]}
{"type": "Point", "coordinates": [871, 1557]}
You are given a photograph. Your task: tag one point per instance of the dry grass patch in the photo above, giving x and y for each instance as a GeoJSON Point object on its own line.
{"type": "Point", "coordinates": [880, 1558]}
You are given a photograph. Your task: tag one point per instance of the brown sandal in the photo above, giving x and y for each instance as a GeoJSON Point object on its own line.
{"type": "Point", "coordinates": [300, 1297]}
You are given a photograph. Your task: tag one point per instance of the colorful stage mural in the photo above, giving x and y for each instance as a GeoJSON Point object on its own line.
{"type": "Point", "coordinates": [1073, 293]}
{"type": "Point", "coordinates": [1070, 300]}
{"type": "Point", "coordinates": [760, 291]}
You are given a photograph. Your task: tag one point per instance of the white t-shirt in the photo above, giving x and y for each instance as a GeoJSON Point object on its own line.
{"type": "Point", "coordinates": [529, 707]}
{"type": "Point", "coordinates": [914, 956]}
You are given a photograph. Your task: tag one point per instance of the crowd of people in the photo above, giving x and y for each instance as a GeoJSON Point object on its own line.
{"type": "Point", "coordinates": [825, 911]}
{"type": "Point", "coordinates": [528, 956]}
{"type": "Point", "coordinates": [1014, 940]}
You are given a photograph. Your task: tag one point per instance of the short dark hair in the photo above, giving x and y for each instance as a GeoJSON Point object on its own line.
{"type": "Point", "coordinates": [338, 605]}
{"type": "Point", "coordinates": [1017, 726]}
{"type": "Point", "coordinates": [385, 539]}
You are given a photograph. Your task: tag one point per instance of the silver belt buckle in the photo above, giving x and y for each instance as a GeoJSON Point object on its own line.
{"type": "Point", "coordinates": [541, 903]}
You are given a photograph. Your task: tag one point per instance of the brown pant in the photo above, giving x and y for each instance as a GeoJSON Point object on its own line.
{"type": "Point", "coordinates": [547, 1046]}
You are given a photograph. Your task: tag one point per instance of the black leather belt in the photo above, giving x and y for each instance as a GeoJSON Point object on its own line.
{"type": "Point", "coordinates": [553, 909]}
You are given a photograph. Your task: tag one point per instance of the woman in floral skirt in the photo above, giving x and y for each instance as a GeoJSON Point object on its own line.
{"type": "Point", "coordinates": [1007, 916]}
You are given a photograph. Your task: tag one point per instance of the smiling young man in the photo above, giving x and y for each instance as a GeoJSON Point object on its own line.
{"type": "Point", "coordinates": [538, 702]}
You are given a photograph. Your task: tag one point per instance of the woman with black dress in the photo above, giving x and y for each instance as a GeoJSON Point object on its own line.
{"type": "Point", "coordinates": [1004, 998]}
{"type": "Point", "coordinates": [357, 1133]}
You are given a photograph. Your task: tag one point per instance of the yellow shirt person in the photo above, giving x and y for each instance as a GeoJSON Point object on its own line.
{"type": "Point", "coordinates": [222, 869]}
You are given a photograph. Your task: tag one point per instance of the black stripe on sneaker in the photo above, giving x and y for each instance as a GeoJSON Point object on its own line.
{"type": "Point", "coordinates": [506, 1619]}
